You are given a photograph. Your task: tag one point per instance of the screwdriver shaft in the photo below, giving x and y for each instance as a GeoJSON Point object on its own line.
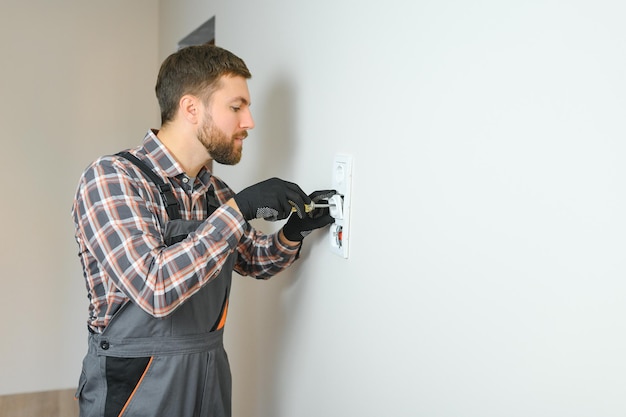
{"type": "Point", "coordinates": [310, 207]}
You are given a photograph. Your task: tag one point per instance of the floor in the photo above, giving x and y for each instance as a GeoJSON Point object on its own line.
{"type": "Point", "coordinates": [39, 404]}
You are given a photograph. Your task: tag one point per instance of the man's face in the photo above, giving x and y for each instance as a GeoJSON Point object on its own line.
{"type": "Point", "coordinates": [227, 120]}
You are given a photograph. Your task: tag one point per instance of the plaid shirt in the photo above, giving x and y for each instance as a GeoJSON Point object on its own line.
{"type": "Point", "coordinates": [120, 218]}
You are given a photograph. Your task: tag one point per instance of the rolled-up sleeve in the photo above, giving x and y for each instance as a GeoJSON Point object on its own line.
{"type": "Point", "coordinates": [263, 256]}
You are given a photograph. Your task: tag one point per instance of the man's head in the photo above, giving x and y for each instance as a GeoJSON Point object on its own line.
{"type": "Point", "coordinates": [206, 87]}
{"type": "Point", "coordinates": [194, 70]}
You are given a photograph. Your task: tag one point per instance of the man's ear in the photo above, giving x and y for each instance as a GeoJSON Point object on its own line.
{"type": "Point", "coordinates": [190, 108]}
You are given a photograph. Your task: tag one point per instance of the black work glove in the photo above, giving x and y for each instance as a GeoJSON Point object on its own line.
{"type": "Point", "coordinates": [271, 200]}
{"type": "Point", "coordinates": [298, 228]}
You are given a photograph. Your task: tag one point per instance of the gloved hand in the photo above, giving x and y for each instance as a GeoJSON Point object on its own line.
{"type": "Point", "coordinates": [271, 200]}
{"type": "Point", "coordinates": [298, 228]}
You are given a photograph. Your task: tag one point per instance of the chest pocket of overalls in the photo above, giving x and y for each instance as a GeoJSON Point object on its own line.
{"type": "Point", "coordinates": [177, 229]}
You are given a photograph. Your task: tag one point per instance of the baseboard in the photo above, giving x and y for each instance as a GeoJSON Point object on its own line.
{"type": "Point", "coordinates": [59, 403]}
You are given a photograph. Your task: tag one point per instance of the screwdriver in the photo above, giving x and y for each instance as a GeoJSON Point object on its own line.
{"type": "Point", "coordinates": [310, 207]}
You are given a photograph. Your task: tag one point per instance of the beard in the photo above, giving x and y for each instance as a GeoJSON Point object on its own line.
{"type": "Point", "coordinates": [222, 148]}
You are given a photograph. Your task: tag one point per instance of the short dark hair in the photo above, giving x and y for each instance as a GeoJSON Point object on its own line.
{"type": "Point", "coordinates": [194, 70]}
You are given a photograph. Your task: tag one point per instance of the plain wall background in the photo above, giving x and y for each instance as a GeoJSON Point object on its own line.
{"type": "Point", "coordinates": [487, 280]}
{"type": "Point", "coordinates": [76, 82]}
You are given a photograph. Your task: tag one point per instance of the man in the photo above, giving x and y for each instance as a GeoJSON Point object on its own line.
{"type": "Point", "coordinates": [159, 237]}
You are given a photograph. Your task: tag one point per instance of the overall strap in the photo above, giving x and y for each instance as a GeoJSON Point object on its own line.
{"type": "Point", "coordinates": [212, 203]}
{"type": "Point", "coordinates": [170, 201]}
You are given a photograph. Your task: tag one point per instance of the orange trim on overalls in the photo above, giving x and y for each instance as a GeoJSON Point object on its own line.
{"type": "Point", "coordinates": [222, 322]}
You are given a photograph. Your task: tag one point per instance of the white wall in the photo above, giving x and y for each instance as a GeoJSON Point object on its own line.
{"type": "Point", "coordinates": [76, 82]}
{"type": "Point", "coordinates": [487, 261]}
{"type": "Point", "coordinates": [491, 285]}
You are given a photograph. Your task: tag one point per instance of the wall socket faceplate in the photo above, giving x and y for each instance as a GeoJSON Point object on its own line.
{"type": "Point", "coordinates": [342, 183]}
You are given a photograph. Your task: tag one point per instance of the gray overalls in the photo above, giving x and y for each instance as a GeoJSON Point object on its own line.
{"type": "Point", "coordinates": [142, 366]}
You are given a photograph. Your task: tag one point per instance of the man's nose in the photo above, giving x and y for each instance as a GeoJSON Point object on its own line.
{"type": "Point", "coordinates": [247, 122]}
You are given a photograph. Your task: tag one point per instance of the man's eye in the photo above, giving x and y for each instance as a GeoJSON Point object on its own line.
{"type": "Point", "coordinates": [235, 109]}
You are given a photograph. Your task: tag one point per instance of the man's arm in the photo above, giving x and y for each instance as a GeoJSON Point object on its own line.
{"type": "Point", "coordinates": [115, 220]}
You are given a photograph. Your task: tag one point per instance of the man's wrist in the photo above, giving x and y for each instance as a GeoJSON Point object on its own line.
{"type": "Point", "coordinates": [283, 239]}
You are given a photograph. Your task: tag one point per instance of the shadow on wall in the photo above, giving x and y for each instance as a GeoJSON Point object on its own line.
{"type": "Point", "coordinates": [262, 332]}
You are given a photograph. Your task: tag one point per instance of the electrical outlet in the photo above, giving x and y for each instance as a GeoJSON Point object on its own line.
{"type": "Point", "coordinates": [342, 183]}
